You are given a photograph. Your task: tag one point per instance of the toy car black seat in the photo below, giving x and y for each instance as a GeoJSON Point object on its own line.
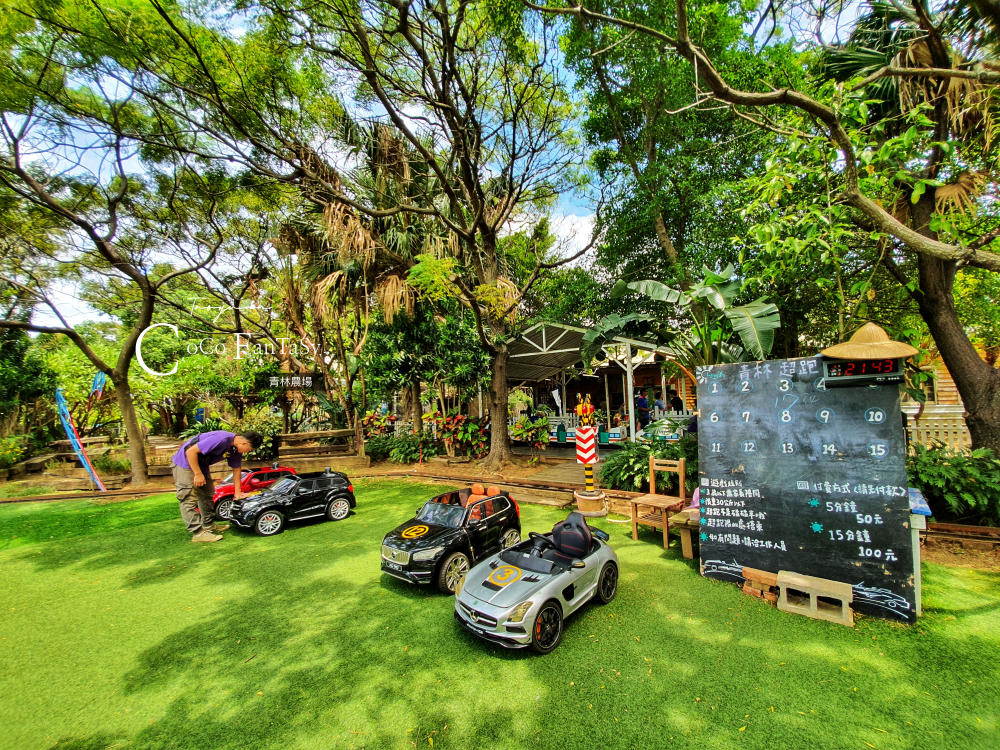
{"type": "Point", "coordinates": [571, 539]}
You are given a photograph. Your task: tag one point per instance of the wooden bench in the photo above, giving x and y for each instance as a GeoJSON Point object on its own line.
{"type": "Point", "coordinates": [661, 505]}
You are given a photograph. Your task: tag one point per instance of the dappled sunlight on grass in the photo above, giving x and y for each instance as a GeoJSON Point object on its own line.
{"type": "Point", "coordinates": [119, 631]}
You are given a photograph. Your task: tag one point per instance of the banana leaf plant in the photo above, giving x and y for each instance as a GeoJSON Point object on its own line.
{"type": "Point", "coordinates": [698, 326]}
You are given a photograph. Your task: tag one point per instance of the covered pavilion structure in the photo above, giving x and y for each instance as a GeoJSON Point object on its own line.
{"type": "Point", "coordinates": [550, 350]}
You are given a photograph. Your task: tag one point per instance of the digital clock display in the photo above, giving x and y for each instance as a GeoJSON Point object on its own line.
{"type": "Point", "coordinates": [852, 368]}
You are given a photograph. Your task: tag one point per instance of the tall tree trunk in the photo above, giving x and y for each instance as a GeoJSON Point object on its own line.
{"type": "Point", "coordinates": [500, 452]}
{"type": "Point", "coordinates": [418, 409]}
{"type": "Point", "coordinates": [977, 382]}
{"type": "Point", "coordinates": [133, 430]}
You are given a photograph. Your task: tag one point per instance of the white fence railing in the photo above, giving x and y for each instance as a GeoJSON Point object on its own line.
{"type": "Point", "coordinates": [949, 431]}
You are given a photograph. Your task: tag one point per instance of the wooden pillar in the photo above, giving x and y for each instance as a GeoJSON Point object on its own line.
{"type": "Point", "coordinates": [607, 397]}
{"type": "Point", "coordinates": [628, 393]}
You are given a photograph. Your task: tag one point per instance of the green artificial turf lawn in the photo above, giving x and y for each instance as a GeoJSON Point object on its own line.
{"type": "Point", "coordinates": [117, 632]}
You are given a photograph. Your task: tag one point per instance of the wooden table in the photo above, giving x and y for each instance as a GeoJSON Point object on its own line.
{"type": "Point", "coordinates": [662, 504]}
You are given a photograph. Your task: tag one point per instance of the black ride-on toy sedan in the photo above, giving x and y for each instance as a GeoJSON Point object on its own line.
{"type": "Point", "coordinates": [313, 495]}
{"type": "Point", "coordinates": [449, 534]}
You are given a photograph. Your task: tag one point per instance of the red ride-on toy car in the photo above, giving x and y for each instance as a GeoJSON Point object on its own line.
{"type": "Point", "coordinates": [253, 480]}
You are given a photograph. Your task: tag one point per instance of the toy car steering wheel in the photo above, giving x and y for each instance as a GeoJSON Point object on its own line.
{"type": "Point", "coordinates": [540, 540]}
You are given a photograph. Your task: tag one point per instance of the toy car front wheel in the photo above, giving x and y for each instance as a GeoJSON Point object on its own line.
{"type": "Point", "coordinates": [509, 539]}
{"type": "Point", "coordinates": [224, 509]}
{"type": "Point", "coordinates": [453, 570]}
{"type": "Point", "coordinates": [607, 584]}
{"type": "Point", "coordinates": [338, 509]}
{"type": "Point", "coordinates": [547, 630]}
{"type": "Point", "coordinates": [269, 523]}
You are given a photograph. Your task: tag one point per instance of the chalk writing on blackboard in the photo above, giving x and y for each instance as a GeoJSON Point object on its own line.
{"type": "Point", "coordinates": [800, 478]}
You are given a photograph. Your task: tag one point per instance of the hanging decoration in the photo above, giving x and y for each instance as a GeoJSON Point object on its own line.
{"type": "Point", "coordinates": [74, 438]}
{"type": "Point", "coordinates": [97, 387]}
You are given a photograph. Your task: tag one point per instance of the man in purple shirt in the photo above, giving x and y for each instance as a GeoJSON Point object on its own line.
{"type": "Point", "coordinates": [193, 477]}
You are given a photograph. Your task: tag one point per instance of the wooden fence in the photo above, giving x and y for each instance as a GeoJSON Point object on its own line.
{"type": "Point", "coordinates": [948, 431]}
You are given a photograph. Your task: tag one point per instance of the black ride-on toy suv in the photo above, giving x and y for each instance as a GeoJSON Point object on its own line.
{"type": "Point", "coordinates": [449, 534]}
{"type": "Point", "coordinates": [313, 495]}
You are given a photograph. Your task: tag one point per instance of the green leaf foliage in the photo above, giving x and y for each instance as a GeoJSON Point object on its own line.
{"type": "Point", "coordinates": [958, 487]}
{"type": "Point", "coordinates": [627, 467]}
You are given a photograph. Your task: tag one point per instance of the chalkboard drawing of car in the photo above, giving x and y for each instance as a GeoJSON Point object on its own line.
{"type": "Point", "coordinates": [722, 568]}
{"type": "Point", "coordinates": [520, 597]}
{"type": "Point", "coordinates": [449, 534]}
{"type": "Point", "coordinates": [882, 598]}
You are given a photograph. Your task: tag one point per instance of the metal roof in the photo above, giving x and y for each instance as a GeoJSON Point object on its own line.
{"type": "Point", "coordinates": [546, 349]}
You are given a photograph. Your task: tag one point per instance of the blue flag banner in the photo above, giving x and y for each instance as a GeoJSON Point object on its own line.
{"type": "Point", "coordinates": [97, 387]}
{"type": "Point", "coordinates": [74, 438]}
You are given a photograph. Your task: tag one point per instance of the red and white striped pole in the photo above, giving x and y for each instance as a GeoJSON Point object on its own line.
{"type": "Point", "coordinates": [589, 502]}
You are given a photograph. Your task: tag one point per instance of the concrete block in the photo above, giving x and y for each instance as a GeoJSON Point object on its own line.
{"type": "Point", "coordinates": [761, 576]}
{"type": "Point", "coordinates": [818, 598]}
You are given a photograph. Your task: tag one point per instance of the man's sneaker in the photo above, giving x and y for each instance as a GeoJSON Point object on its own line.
{"type": "Point", "coordinates": [219, 527]}
{"type": "Point", "coordinates": [205, 536]}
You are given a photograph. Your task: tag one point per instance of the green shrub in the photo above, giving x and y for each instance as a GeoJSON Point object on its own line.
{"type": "Point", "coordinates": [957, 486]}
{"type": "Point", "coordinates": [627, 468]}
{"type": "Point", "coordinates": [466, 434]}
{"type": "Point", "coordinates": [209, 425]}
{"type": "Point", "coordinates": [410, 448]}
{"type": "Point", "coordinates": [536, 433]}
{"type": "Point", "coordinates": [269, 426]}
{"type": "Point", "coordinates": [108, 464]}
{"type": "Point", "coordinates": [378, 447]}
{"type": "Point", "coordinates": [11, 450]}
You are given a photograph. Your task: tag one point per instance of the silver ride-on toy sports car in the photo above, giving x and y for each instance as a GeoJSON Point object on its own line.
{"type": "Point", "coordinates": [520, 596]}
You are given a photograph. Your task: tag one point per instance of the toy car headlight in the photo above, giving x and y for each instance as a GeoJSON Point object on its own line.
{"type": "Point", "coordinates": [518, 614]}
{"type": "Point", "coordinates": [428, 554]}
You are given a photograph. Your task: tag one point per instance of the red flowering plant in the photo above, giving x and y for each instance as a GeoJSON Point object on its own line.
{"type": "Point", "coordinates": [376, 424]}
{"type": "Point", "coordinates": [535, 434]}
{"type": "Point", "coordinates": [461, 434]}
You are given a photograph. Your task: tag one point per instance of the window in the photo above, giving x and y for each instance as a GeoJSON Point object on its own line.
{"type": "Point", "coordinates": [500, 504]}
{"type": "Point", "coordinates": [324, 484]}
{"type": "Point", "coordinates": [305, 487]}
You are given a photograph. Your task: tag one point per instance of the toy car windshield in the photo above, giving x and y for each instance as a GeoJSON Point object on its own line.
{"type": "Point", "coordinates": [228, 479]}
{"type": "Point", "coordinates": [442, 515]}
{"type": "Point", "coordinates": [526, 561]}
{"type": "Point", "coordinates": [284, 487]}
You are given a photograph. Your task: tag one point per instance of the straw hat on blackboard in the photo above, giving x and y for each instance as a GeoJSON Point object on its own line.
{"type": "Point", "coordinates": [870, 342]}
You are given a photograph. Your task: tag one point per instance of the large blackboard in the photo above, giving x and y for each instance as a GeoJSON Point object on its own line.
{"type": "Point", "coordinates": [798, 477]}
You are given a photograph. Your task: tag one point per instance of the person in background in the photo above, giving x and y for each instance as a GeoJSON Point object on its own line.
{"type": "Point", "coordinates": [530, 413]}
{"type": "Point", "coordinates": [676, 404]}
{"type": "Point", "coordinates": [193, 477]}
{"type": "Point", "coordinates": [642, 410]}
{"type": "Point", "coordinates": [659, 401]}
